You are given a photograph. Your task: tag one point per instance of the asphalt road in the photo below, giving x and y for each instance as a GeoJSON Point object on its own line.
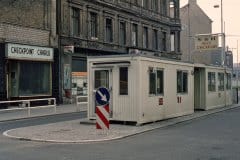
{"type": "Point", "coordinates": [214, 137]}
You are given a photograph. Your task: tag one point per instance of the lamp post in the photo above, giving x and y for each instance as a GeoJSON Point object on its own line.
{"type": "Point", "coordinates": [222, 34]}
{"type": "Point", "coordinates": [237, 72]}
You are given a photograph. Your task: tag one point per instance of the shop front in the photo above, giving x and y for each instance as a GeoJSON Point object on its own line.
{"type": "Point", "coordinates": [28, 71]}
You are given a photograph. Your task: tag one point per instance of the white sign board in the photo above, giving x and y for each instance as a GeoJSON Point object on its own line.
{"type": "Point", "coordinates": [68, 49]}
{"type": "Point", "coordinates": [17, 51]}
{"type": "Point", "coordinates": [206, 42]}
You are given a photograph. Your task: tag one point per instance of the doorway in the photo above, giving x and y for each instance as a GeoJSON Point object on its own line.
{"type": "Point", "coordinates": [102, 78]}
{"type": "Point", "coordinates": [199, 88]}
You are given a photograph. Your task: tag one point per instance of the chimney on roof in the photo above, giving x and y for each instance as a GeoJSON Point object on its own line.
{"type": "Point", "coordinates": [192, 1]}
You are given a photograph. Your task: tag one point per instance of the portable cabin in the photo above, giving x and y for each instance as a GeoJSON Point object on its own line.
{"type": "Point", "coordinates": [212, 87]}
{"type": "Point", "coordinates": [142, 89]}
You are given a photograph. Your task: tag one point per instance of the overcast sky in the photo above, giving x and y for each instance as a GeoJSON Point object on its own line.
{"type": "Point", "coordinates": [231, 17]}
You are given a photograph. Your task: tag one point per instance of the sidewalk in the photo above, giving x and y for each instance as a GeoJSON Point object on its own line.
{"type": "Point", "coordinates": [20, 113]}
{"type": "Point", "coordinates": [73, 132]}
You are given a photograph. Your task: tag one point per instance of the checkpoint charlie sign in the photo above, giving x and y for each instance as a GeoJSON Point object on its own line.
{"type": "Point", "coordinates": [17, 51]}
{"type": "Point", "coordinates": [206, 42]}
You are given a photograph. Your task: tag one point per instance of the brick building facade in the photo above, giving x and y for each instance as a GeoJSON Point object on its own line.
{"type": "Point", "coordinates": [27, 34]}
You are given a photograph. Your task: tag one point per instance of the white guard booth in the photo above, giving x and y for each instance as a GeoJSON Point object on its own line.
{"type": "Point", "coordinates": [143, 89]}
{"type": "Point", "coordinates": [212, 87]}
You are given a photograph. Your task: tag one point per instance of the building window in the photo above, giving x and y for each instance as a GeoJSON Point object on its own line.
{"type": "Point", "coordinates": [229, 81]}
{"type": "Point", "coordinates": [172, 9]}
{"type": "Point", "coordinates": [156, 81]}
{"type": "Point", "coordinates": [93, 25]}
{"type": "Point", "coordinates": [174, 12]}
{"type": "Point", "coordinates": [123, 75]}
{"type": "Point", "coordinates": [221, 81]}
{"type": "Point", "coordinates": [175, 41]}
{"type": "Point", "coordinates": [155, 39]}
{"type": "Point", "coordinates": [122, 33]}
{"type": "Point", "coordinates": [30, 78]}
{"type": "Point", "coordinates": [163, 4]}
{"type": "Point", "coordinates": [211, 82]}
{"type": "Point", "coordinates": [135, 2]}
{"type": "Point", "coordinates": [155, 5]}
{"type": "Point", "coordinates": [182, 82]}
{"type": "Point", "coordinates": [135, 35]}
{"type": "Point", "coordinates": [75, 20]}
{"type": "Point", "coordinates": [145, 4]}
{"type": "Point", "coordinates": [145, 37]}
{"type": "Point", "coordinates": [109, 30]}
{"type": "Point", "coordinates": [172, 36]}
{"type": "Point", "coordinates": [164, 41]}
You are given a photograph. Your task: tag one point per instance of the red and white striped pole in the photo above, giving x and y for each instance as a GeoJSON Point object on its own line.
{"type": "Point", "coordinates": [102, 113]}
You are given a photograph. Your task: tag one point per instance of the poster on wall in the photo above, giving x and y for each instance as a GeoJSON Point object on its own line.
{"type": "Point", "coordinates": [67, 78]}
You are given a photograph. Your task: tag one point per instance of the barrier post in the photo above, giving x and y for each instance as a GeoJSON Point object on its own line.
{"type": "Point", "coordinates": [28, 104]}
{"type": "Point", "coordinates": [102, 108]}
{"type": "Point", "coordinates": [55, 106]}
{"type": "Point", "coordinates": [102, 117]}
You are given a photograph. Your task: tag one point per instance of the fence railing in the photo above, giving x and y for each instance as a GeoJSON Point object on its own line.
{"type": "Point", "coordinates": [80, 100]}
{"type": "Point", "coordinates": [27, 103]}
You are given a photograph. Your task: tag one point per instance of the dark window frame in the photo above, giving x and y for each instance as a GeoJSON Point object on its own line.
{"type": "Point", "coordinates": [155, 39]}
{"type": "Point", "coordinates": [93, 25]}
{"type": "Point", "coordinates": [182, 82]}
{"type": "Point", "coordinates": [123, 80]}
{"type": "Point", "coordinates": [122, 33]}
{"type": "Point", "coordinates": [229, 81]}
{"type": "Point", "coordinates": [109, 30]}
{"type": "Point", "coordinates": [221, 81]}
{"type": "Point", "coordinates": [145, 37]}
{"type": "Point", "coordinates": [134, 33]}
{"type": "Point", "coordinates": [75, 21]}
{"type": "Point", "coordinates": [156, 81]}
{"type": "Point", "coordinates": [211, 81]}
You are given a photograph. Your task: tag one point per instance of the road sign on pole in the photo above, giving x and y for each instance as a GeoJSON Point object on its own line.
{"type": "Point", "coordinates": [102, 108]}
{"type": "Point", "coordinates": [102, 96]}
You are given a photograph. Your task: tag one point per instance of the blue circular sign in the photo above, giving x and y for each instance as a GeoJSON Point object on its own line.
{"type": "Point", "coordinates": [102, 96]}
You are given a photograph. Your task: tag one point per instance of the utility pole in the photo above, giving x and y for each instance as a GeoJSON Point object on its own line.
{"type": "Point", "coordinates": [237, 71]}
{"type": "Point", "coordinates": [222, 34]}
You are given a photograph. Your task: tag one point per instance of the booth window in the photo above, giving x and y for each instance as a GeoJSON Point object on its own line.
{"type": "Point", "coordinates": [182, 82]}
{"type": "Point", "coordinates": [221, 81]}
{"type": "Point", "coordinates": [159, 81]}
{"type": "Point", "coordinates": [123, 74]}
{"type": "Point", "coordinates": [155, 81]}
{"type": "Point", "coordinates": [101, 78]}
{"type": "Point", "coordinates": [211, 82]}
{"type": "Point", "coordinates": [228, 85]}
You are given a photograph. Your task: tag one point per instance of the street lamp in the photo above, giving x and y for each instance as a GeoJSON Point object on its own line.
{"type": "Point", "coordinates": [222, 34]}
{"type": "Point", "coordinates": [237, 72]}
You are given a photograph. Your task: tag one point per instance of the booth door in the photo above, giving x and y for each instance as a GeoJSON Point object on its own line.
{"type": "Point", "coordinates": [102, 78]}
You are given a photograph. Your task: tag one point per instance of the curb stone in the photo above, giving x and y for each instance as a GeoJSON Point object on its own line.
{"type": "Point", "coordinates": [165, 123]}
